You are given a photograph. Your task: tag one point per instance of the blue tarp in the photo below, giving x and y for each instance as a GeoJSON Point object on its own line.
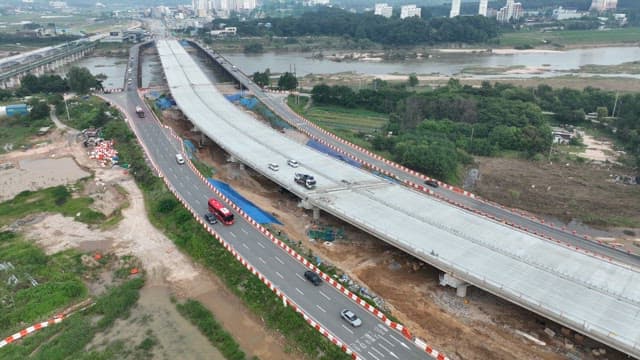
{"type": "Point", "coordinates": [190, 148]}
{"type": "Point", "coordinates": [233, 97]}
{"type": "Point", "coordinates": [247, 206]}
{"type": "Point", "coordinates": [165, 103]}
{"type": "Point", "coordinates": [325, 149]}
{"type": "Point", "coordinates": [249, 103]}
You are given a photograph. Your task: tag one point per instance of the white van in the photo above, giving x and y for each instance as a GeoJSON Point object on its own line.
{"type": "Point", "coordinates": [179, 159]}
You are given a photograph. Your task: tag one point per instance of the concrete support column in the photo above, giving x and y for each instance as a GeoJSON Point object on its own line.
{"type": "Point", "coordinates": [316, 214]}
{"type": "Point", "coordinates": [450, 280]}
{"type": "Point", "coordinates": [241, 166]}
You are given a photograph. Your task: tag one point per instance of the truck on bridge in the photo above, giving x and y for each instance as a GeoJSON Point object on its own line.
{"type": "Point", "coordinates": [306, 180]}
{"type": "Point", "coordinates": [139, 111]}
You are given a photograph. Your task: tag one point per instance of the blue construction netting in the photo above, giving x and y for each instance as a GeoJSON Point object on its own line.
{"type": "Point", "coordinates": [189, 148]}
{"type": "Point", "coordinates": [247, 206]}
{"type": "Point", "coordinates": [325, 149]}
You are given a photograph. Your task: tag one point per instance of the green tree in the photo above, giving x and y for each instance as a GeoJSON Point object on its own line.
{"type": "Point", "coordinates": [602, 112]}
{"type": "Point", "coordinates": [39, 110]}
{"type": "Point", "coordinates": [253, 48]}
{"type": "Point", "coordinates": [262, 78]}
{"type": "Point", "coordinates": [80, 80]}
{"type": "Point", "coordinates": [287, 81]}
{"type": "Point", "coordinates": [413, 80]}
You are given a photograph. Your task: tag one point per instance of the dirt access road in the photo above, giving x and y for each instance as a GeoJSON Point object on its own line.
{"type": "Point", "coordinates": [169, 271]}
{"type": "Point", "coordinates": [481, 326]}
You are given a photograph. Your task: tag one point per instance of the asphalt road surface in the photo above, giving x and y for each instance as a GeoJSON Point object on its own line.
{"type": "Point", "coordinates": [279, 107]}
{"type": "Point", "coordinates": [372, 341]}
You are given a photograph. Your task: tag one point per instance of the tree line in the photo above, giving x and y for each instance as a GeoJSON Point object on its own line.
{"type": "Point", "coordinates": [78, 80]}
{"type": "Point", "coordinates": [326, 21]}
{"type": "Point", "coordinates": [436, 131]}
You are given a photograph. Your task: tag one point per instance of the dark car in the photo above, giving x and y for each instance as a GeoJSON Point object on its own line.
{"type": "Point", "coordinates": [431, 183]}
{"type": "Point", "coordinates": [210, 218]}
{"type": "Point", "coordinates": [313, 277]}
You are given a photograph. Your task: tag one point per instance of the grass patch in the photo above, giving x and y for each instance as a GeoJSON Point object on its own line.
{"type": "Point", "coordinates": [570, 37]}
{"type": "Point", "coordinates": [18, 130]}
{"type": "Point", "coordinates": [57, 282]}
{"type": "Point", "coordinates": [55, 199]}
{"type": "Point", "coordinates": [340, 118]}
{"type": "Point", "coordinates": [209, 326]}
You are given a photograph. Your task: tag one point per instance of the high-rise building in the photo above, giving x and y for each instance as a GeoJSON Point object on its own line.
{"type": "Point", "coordinates": [455, 8]}
{"type": "Point", "coordinates": [603, 5]}
{"type": "Point", "coordinates": [383, 10]}
{"type": "Point", "coordinates": [410, 11]}
{"type": "Point", "coordinates": [482, 9]}
{"type": "Point", "coordinates": [511, 11]}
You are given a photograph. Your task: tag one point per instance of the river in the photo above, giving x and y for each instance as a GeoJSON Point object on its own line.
{"type": "Point", "coordinates": [446, 64]}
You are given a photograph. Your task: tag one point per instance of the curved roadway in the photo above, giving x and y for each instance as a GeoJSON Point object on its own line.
{"type": "Point", "coordinates": [372, 341]}
{"type": "Point", "coordinates": [279, 107]}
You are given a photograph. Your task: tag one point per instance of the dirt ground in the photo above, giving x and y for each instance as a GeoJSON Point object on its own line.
{"type": "Point", "coordinates": [168, 270]}
{"type": "Point", "coordinates": [481, 326]}
{"type": "Point", "coordinates": [562, 191]}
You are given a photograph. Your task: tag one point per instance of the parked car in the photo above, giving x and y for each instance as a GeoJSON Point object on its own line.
{"type": "Point", "coordinates": [431, 183]}
{"type": "Point", "coordinates": [293, 163]}
{"type": "Point", "coordinates": [210, 218]}
{"type": "Point", "coordinates": [350, 317]}
{"type": "Point", "coordinates": [179, 159]}
{"type": "Point", "coordinates": [274, 166]}
{"type": "Point", "coordinates": [313, 277]}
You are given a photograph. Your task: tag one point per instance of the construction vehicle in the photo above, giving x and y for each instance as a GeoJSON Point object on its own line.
{"type": "Point", "coordinates": [139, 111]}
{"type": "Point", "coordinates": [307, 180]}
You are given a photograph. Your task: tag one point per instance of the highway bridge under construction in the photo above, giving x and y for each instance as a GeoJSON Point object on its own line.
{"type": "Point", "coordinates": [593, 296]}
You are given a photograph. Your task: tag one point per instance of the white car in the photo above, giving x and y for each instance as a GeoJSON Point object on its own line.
{"type": "Point", "coordinates": [293, 163]}
{"type": "Point", "coordinates": [274, 166]}
{"type": "Point", "coordinates": [350, 317]}
{"type": "Point", "coordinates": [179, 159]}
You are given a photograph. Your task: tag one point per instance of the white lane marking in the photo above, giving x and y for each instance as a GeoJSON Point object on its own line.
{"type": "Point", "coordinates": [206, 197]}
{"type": "Point", "coordinates": [400, 342]}
{"type": "Point", "coordinates": [323, 294]}
{"type": "Point", "coordinates": [244, 231]}
{"type": "Point", "coordinates": [189, 192]}
{"type": "Point", "coordinates": [197, 202]}
{"type": "Point", "coordinates": [375, 357]}
{"type": "Point", "coordinates": [321, 309]}
{"type": "Point", "coordinates": [387, 341]}
{"type": "Point", "coordinates": [377, 351]}
{"type": "Point", "coordinates": [262, 260]}
{"type": "Point", "coordinates": [298, 290]}
{"type": "Point", "coordinates": [245, 246]}
{"type": "Point", "coordinates": [280, 275]}
{"type": "Point", "coordinates": [389, 351]}
{"type": "Point", "coordinates": [301, 278]}
{"type": "Point", "coordinates": [280, 261]}
{"type": "Point", "coordinates": [346, 328]}
{"type": "Point", "coordinates": [232, 234]}
{"type": "Point", "coordinates": [259, 244]}
{"type": "Point", "coordinates": [195, 186]}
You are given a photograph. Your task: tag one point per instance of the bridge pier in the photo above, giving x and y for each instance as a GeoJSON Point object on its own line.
{"type": "Point", "coordinates": [316, 214]}
{"type": "Point", "coordinates": [460, 285]}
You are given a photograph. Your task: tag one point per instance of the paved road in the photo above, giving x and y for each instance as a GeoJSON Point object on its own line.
{"type": "Point", "coordinates": [277, 105]}
{"type": "Point", "coordinates": [372, 341]}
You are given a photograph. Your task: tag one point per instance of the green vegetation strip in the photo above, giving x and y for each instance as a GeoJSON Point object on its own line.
{"type": "Point", "coordinates": [570, 37]}
{"type": "Point", "coordinates": [211, 328]}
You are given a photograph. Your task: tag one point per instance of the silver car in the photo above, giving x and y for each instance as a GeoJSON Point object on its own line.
{"type": "Point", "coordinates": [350, 317]}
